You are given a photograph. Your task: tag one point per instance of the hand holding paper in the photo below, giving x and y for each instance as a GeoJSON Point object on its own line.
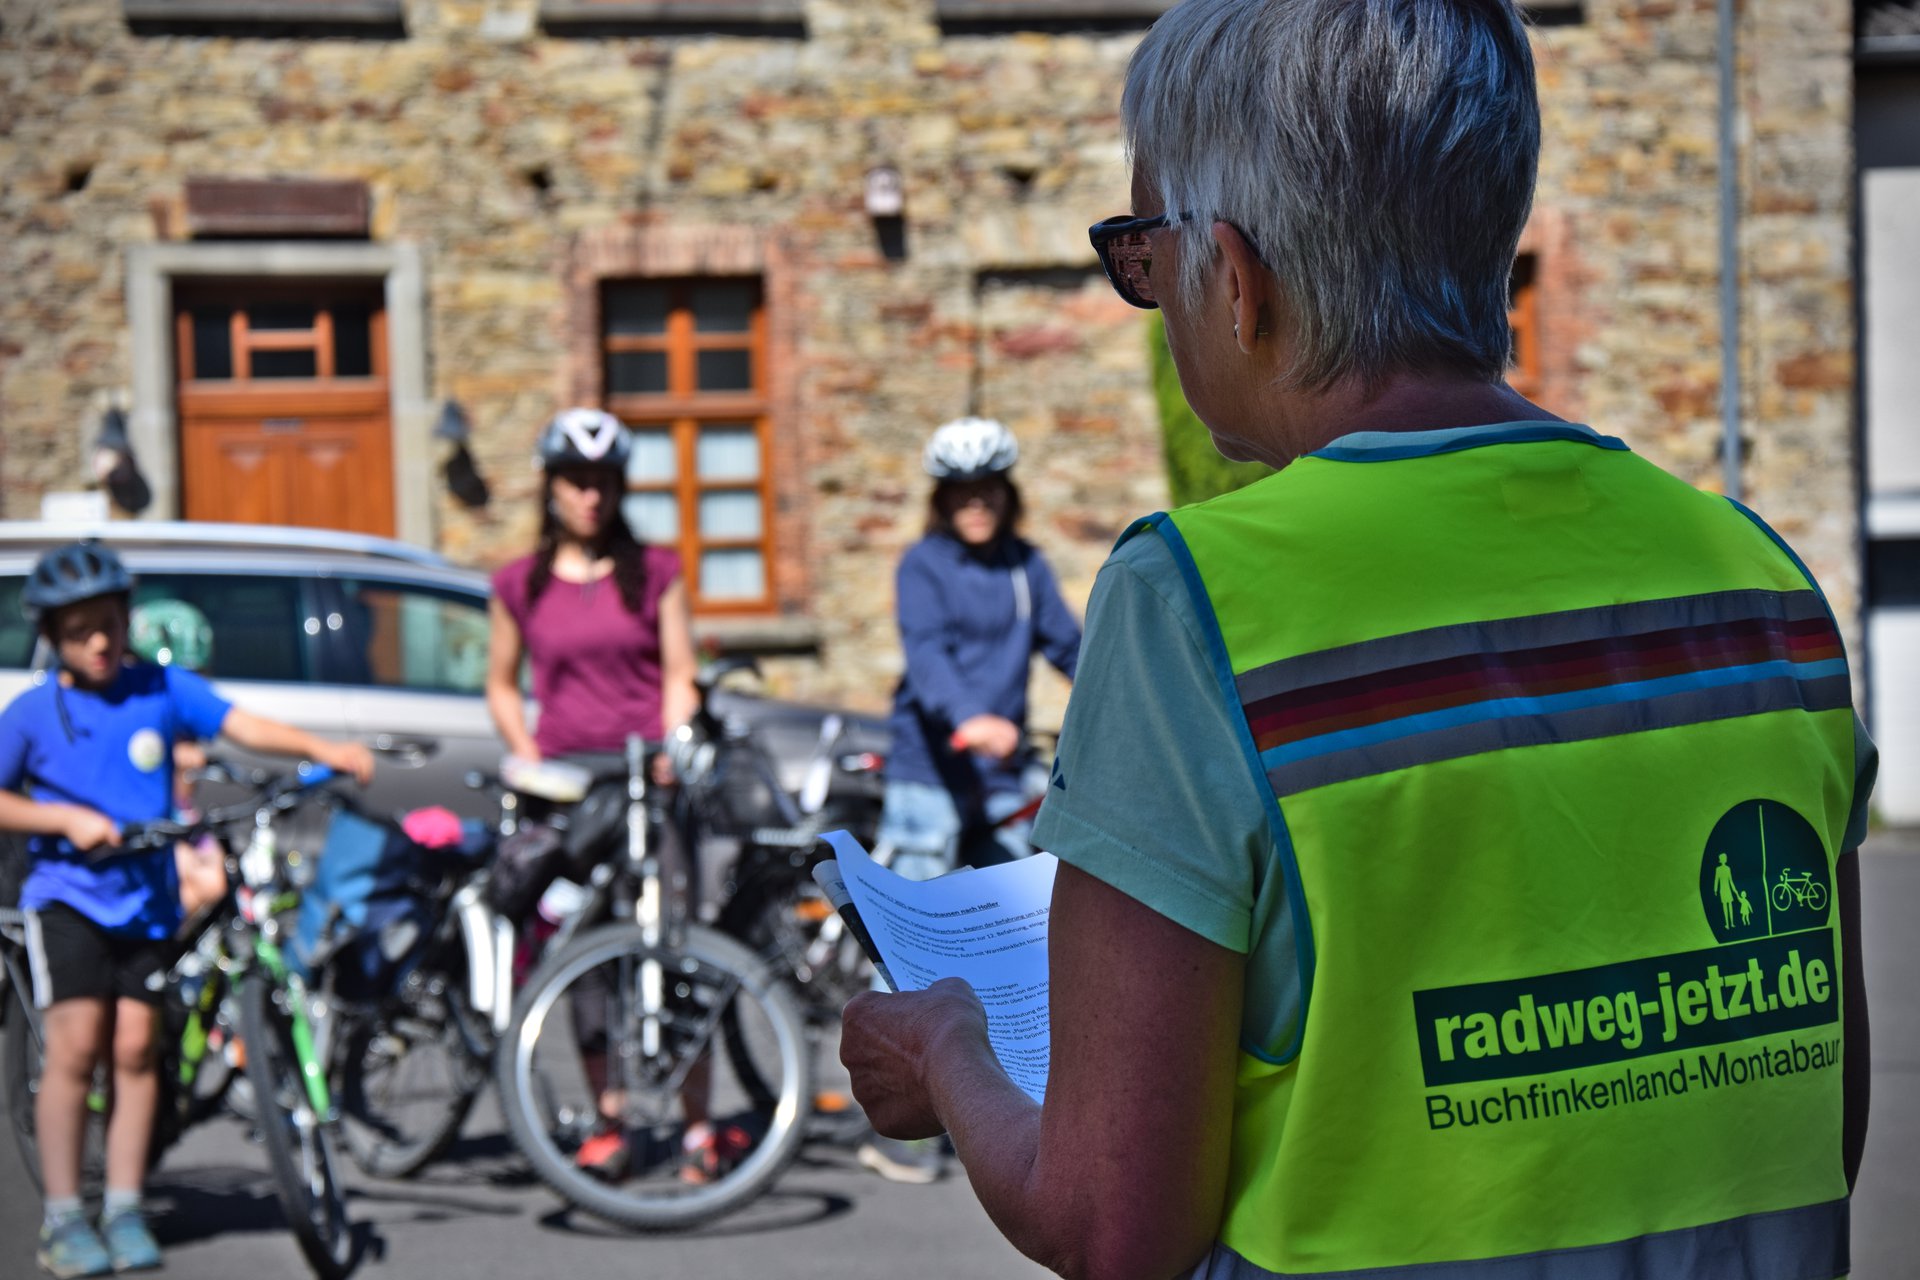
{"type": "Point", "coordinates": [988, 927]}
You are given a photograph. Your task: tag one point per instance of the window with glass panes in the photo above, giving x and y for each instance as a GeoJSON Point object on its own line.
{"type": "Point", "coordinates": [253, 332]}
{"type": "Point", "coordinates": [685, 365]}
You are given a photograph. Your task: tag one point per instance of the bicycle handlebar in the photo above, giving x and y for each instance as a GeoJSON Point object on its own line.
{"type": "Point", "coordinates": [276, 791]}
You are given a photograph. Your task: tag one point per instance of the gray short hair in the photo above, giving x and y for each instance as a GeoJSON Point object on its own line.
{"type": "Point", "coordinates": [1379, 154]}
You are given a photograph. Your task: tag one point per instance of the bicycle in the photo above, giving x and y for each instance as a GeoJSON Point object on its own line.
{"type": "Point", "coordinates": [632, 993]}
{"type": "Point", "coordinates": [228, 973]}
{"type": "Point", "coordinates": [1804, 890]}
{"type": "Point", "coordinates": [733, 786]}
{"type": "Point", "coordinates": [410, 1062]}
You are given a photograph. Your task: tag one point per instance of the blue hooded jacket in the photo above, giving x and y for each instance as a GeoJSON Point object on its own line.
{"type": "Point", "coordinates": [970, 622]}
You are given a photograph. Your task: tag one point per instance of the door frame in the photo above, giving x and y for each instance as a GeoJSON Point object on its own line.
{"type": "Point", "coordinates": [153, 426]}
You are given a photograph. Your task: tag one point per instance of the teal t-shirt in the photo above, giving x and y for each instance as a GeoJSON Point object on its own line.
{"type": "Point", "coordinates": [1151, 794]}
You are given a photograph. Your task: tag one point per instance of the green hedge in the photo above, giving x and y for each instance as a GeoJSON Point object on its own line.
{"type": "Point", "coordinates": [1195, 469]}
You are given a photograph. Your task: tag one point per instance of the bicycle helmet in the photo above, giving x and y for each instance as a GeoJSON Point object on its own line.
{"type": "Point", "coordinates": [970, 449]}
{"type": "Point", "coordinates": [67, 575]}
{"type": "Point", "coordinates": [171, 633]}
{"type": "Point", "coordinates": [584, 438]}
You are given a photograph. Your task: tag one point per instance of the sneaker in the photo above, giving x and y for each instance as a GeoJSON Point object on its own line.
{"type": "Point", "coordinates": [918, 1162]}
{"type": "Point", "coordinates": [129, 1244]}
{"type": "Point", "coordinates": [708, 1154]}
{"type": "Point", "coordinates": [605, 1155]}
{"type": "Point", "coordinates": [71, 1248]}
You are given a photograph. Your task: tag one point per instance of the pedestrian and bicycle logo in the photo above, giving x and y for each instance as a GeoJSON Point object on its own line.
{"type": "Point", "coordinates": [1764, 872]}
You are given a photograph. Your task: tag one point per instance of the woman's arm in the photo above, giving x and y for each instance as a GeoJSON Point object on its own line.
{"type": "Point", "coordinates": [678, 697]}
{"type": "Point", "coordinates": [920, 607]}
{"type": "Point", "coordinates": [505, 649]}
{"type": "Point", "coordinates": [1123, 1172]}
{"type": "Point", "coordinates": [272, 738]}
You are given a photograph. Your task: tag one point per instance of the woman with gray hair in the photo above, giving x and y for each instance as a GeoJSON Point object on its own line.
{"type": "Point", "coordinates": [1392, 786]}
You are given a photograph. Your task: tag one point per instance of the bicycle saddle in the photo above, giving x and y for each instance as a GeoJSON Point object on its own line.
{"type": "Point", "coordinates": [554, 780]}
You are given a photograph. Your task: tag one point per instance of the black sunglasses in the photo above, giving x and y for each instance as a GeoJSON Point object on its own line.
{"type": "Point", "coordinates": [1126, 254]}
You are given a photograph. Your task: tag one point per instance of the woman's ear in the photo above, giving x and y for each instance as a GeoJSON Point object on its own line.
{"type": "Point", "coordinates": [1247, 286]}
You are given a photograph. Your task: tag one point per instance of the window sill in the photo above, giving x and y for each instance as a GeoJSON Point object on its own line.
{"type": "Point", "coordinates": [668, 14]}
{"type": "Point", "coordinates": [997, 17]}
{"type": "Point", "coordinates": [771, 634]}
{"type": "Point", "coordinates": [388, 14]}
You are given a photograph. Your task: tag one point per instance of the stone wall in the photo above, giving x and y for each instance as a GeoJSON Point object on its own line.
{"type": "Point", "coordinates": [1630, 162]}
{"type": "Point", "coordinates": [508, 153]}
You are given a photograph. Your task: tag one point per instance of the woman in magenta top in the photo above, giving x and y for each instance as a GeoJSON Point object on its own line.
{"type": "Point", "coordinates": [603, 620]}
{"type": "Point", "coordinates": [605, 624]}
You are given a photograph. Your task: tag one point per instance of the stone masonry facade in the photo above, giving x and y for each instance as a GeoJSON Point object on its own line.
{"type": "Point", "coordinates": [529, 163]}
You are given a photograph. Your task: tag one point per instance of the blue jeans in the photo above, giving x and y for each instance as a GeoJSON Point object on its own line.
{"type": "Point", "coordinates": [920, 828]}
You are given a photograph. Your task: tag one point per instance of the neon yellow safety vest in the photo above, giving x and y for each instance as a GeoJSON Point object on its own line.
{"type": "Point", "coordinates": [1560, 753]}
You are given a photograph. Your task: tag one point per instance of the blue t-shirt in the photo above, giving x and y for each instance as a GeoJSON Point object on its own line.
{"type": "Point", "coordinates": [112, 752]}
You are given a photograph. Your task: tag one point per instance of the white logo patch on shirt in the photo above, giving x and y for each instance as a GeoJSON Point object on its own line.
{"type": "Point", "coordinates": [146, 750]}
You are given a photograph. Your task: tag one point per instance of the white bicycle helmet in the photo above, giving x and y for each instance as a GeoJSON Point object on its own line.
{"type": "Point", "coordinates": [584, 437]}
{"type": "Point", "coordinates": [970, 448]}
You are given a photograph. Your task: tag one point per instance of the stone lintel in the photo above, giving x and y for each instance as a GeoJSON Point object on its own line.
{"type": "Point", "coordinates": [382, 13]}
{"type": "Point", "coordinates": [283, 207]}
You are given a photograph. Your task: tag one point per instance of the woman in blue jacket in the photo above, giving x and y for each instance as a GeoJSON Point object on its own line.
{"type": "Point", "coordinates": [975, 602]}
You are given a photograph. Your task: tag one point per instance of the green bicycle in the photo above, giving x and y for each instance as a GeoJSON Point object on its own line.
{"type": "Point", "coordinates": [227, 979]}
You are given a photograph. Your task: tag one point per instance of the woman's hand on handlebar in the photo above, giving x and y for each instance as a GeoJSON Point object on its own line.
{"type": "Point", "coordinates": [993, 736]}
{"type": "Point", "coordinates": [87, 830]}
{"type": "Point", "coordinates": [661, 771]}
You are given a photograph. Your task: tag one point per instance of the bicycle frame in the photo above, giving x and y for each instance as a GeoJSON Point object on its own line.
{"type": "Point", "coordinates": [19, 981]}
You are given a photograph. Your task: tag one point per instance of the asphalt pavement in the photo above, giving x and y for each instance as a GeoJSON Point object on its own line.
{"type": "Point", "coordinates": [480, 1214]}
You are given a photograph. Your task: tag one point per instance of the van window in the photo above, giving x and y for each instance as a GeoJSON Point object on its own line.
{"type": "Point", "coordinates": [398, 635]}
{"type": "Point", "coordinates": [16, 633]}
{"type": "Point", "coordinates": [260, 623]}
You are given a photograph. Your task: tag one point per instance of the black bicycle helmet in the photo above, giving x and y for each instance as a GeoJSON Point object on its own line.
{"type": "Point", "coordinates": [67, 575]}
{"type": "Point", "coordinates": [584, 438]}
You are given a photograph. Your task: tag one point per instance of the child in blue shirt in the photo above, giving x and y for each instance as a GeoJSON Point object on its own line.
{"type": "Point", "coordinates": [82, 752]}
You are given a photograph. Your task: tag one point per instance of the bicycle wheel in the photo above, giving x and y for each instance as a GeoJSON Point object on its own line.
{"type": "Point", "coordinates": [791, 926]}
{"type": "Point", "coordinates": [1816, 896]}
{"type": "Point", "coordinates": [584, 1004]}
{"type": "Point", "coordinates": [1782, 897]}
{"type": "Point", "coordinates": [299, 1142]}
{"type": "Point", "coordinates": [21, 1068]}
{"type": "Point", "coordinates": [407, 1082]}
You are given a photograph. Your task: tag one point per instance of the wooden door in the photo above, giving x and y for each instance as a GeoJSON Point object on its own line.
{"type": "Point", "coordinates": [284, 405]}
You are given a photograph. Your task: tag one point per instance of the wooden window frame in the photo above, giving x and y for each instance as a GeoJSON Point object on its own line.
{"type": "Point", "coordinates": [243, 394]}
{"type": "Point", "coordinates": [317, 338]}
{"type": "Point", "coordinates": [683, 411]}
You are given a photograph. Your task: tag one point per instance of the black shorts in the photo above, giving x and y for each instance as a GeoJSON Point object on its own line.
{"type": "Point", "coordinates": [73, 958]}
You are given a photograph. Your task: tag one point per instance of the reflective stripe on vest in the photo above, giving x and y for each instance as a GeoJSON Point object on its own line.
{"type": "Point", "coordinates": [1789, 1245]}
{"type": "Point", "coordinates": [1558, 754]}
